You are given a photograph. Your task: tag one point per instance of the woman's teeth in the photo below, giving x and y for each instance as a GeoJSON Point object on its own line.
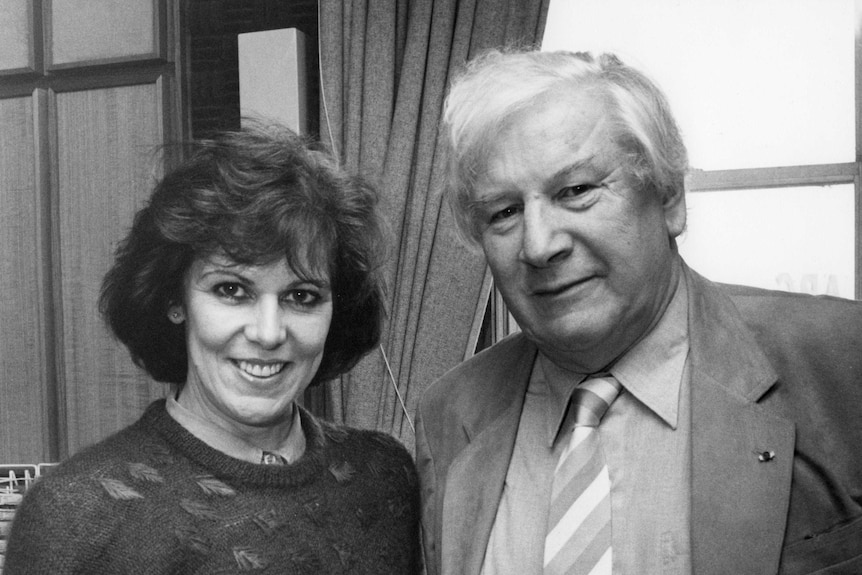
{"type": "Point", "coordinates": [260, 370]}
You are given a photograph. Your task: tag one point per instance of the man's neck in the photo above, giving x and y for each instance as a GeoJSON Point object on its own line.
{"type": "Point", "coordinates": [600, 356]}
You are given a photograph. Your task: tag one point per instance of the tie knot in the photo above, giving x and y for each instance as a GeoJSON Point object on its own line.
{"type": "Point", "coordinates": [592, 398]}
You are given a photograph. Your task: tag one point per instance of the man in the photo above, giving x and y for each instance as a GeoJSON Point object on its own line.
{"type": "Point", "coordinates": [732, 439]}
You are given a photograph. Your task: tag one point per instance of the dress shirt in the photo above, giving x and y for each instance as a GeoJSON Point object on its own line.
{"type": "Point", "coordinates": [645, 436]}
{"type": "Point", "coordinates": [216, 437]}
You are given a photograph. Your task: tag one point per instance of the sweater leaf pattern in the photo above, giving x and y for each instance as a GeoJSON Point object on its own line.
{"type": "Point", "coordinates": [342, 471]}
{"type": "Point", "coordinates": [144, 472]}
{"type": "Point", "coordinates": [248, 559]}
{"type": "Point", "coordinates": [119, 490]}
{"type": "Point", "coordinates": [212, 486]}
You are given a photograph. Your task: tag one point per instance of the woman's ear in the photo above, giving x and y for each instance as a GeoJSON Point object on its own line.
{"type": "Point", "coordinates": [176, 313]}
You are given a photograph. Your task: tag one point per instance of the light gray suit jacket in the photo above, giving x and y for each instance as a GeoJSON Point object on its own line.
{"type": "Point", "coordinates": [770, 372]}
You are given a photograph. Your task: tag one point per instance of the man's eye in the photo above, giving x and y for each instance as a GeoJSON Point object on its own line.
{"type": "Point", "coordinates": [505, 213]}
{"type": "Point", "coordinates": [579, 197]}
{"type": "Point", "coordinates": [232, 291]}
{"type": "Point", "coordinates": [570, 191]}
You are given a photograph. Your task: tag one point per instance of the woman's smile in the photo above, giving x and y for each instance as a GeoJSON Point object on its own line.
{"type": "Point", "coordinates": [260, 369]}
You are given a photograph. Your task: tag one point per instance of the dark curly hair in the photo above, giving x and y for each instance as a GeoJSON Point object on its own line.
{"type": "Point", "coordinates": [255, 195]}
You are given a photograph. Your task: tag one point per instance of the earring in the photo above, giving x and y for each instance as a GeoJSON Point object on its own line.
{"type": "Point", "coordinates": [176, 316]}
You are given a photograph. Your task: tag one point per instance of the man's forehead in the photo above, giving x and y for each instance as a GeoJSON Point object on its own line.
{"type": "Point", "coordinates": [563, 153]}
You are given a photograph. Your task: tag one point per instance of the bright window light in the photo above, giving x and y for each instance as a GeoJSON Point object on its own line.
{"type": "Point", "coordinates": [753, 83]}
{"type": "Point", "coordinates": [792, 239]}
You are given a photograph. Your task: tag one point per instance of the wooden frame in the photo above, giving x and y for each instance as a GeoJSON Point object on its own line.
{"type": "Point", "coordinates": [782, 177]}
{"type": "Point", "coordinates": [52, 415]}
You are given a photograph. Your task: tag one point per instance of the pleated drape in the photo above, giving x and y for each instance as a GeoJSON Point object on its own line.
{"type": "Point", "coordinates": [385, 66]}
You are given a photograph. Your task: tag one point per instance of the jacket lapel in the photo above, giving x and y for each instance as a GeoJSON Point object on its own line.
{"type": "Point", "coordinates": [474, 487]}
{"type": "Point", "coordinates": [742, 457]}
{"type": "Point", "coordinates": [474, 483]}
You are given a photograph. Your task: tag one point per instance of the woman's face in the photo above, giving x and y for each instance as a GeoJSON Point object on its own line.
{"type": "Point", "coordinates": [255, 337]}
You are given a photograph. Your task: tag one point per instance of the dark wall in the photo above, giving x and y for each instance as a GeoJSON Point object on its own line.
{"type": "Point", "coordinates": [211, 28]}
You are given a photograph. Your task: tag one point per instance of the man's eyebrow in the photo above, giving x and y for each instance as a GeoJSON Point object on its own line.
{"type": "Point", "coordinates": [585, 163]}
{"type": "Point", "coordinates": [475, 206]}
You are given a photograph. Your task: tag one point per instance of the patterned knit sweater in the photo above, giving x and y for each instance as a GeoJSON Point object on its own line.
{"type": "Point", "coordinates": [155, 499]}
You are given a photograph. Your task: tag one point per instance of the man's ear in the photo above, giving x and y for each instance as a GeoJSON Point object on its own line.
{"type": "Point", "coordinates": [674, 212]}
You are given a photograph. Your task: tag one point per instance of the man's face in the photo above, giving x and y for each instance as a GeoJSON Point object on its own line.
{"type": "Point", "coordinates": [582, 259]}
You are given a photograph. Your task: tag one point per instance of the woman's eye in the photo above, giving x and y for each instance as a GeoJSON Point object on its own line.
{"type": "Point", "coordinates": [232, 291]}
{"type": "Point", "coordinates": [303, 297]}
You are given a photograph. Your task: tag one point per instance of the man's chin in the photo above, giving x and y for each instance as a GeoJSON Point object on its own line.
{"type": "Point", "coordinates": [573, 340]}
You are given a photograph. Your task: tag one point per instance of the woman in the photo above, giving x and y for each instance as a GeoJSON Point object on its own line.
{"type": "Point", "coordinates": [250, 275]}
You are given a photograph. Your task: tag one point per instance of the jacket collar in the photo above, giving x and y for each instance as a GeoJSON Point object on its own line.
{"type": "Point", "coordinates": [717, 334]}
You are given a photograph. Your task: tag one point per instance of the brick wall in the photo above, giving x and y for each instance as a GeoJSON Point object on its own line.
{"type": "Point", "coordinates": [211, 27]}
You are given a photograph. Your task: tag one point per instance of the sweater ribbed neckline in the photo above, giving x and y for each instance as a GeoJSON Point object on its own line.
{"type": "Point", "coordinates": [306, 469]}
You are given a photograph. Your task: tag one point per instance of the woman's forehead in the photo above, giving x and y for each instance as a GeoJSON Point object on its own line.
{"type": "Point", "coordinates": [306, 262]}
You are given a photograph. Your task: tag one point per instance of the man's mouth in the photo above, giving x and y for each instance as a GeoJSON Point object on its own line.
{"type": "Point", "coordinates": [555, 289]}
{"type": "Point", "coordinates": [260, 369]}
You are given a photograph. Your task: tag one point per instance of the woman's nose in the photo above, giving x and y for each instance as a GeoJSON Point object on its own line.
{"type": "Point", "coordinates": [266, 327]}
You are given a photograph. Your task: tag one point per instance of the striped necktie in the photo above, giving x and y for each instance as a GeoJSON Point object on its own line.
{"type": "Point", "coordinates": [579, 520]}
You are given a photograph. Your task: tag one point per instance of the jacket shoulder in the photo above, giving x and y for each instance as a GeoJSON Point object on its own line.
{"type": "Point", "coordinates": [779, 320]}
{"type": "Point", "coordinates": [491, 369]}
{"type": "Point", "coordinates": [813, 343]}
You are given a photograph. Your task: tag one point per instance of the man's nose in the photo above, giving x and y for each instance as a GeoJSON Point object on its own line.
{"type": "Point", "coordinates": [544, 241]}
{"type": "Point", "coordinates": [266, 326]}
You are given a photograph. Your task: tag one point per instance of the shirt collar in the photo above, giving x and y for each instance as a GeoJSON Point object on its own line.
{"type": "Point", "coordinates": [651, 371]}
{"type": "Point", "coordinates": [291, 448]}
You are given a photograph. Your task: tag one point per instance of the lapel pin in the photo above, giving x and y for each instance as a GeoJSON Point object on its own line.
{"type": "Point", "coordinates": [765, 456]}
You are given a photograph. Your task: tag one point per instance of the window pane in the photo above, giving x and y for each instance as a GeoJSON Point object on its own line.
{"type": "Point", "coordinates": [126, 30]}
{"type": "Point", "coordinates": [753, 83]}
{"type": "Point", "coordinates": [793, 239]}
{"type": "Point", "coordinates": [17, 35]}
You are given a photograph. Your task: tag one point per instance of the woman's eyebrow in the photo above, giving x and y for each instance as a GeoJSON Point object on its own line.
{"type": "Point", "coordinates": [318, 282]}
{"type": "Point", "coordinates": [218, 270]}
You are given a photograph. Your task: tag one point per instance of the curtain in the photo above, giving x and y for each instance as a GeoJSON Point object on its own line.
{"type": "Point", "coordinates": [385, 65]}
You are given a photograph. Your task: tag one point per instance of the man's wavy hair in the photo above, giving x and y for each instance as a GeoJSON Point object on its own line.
{"type": "Point", "coordinates": [500, 84]}
{"type": "Point", "coordinates": [255, 195]}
